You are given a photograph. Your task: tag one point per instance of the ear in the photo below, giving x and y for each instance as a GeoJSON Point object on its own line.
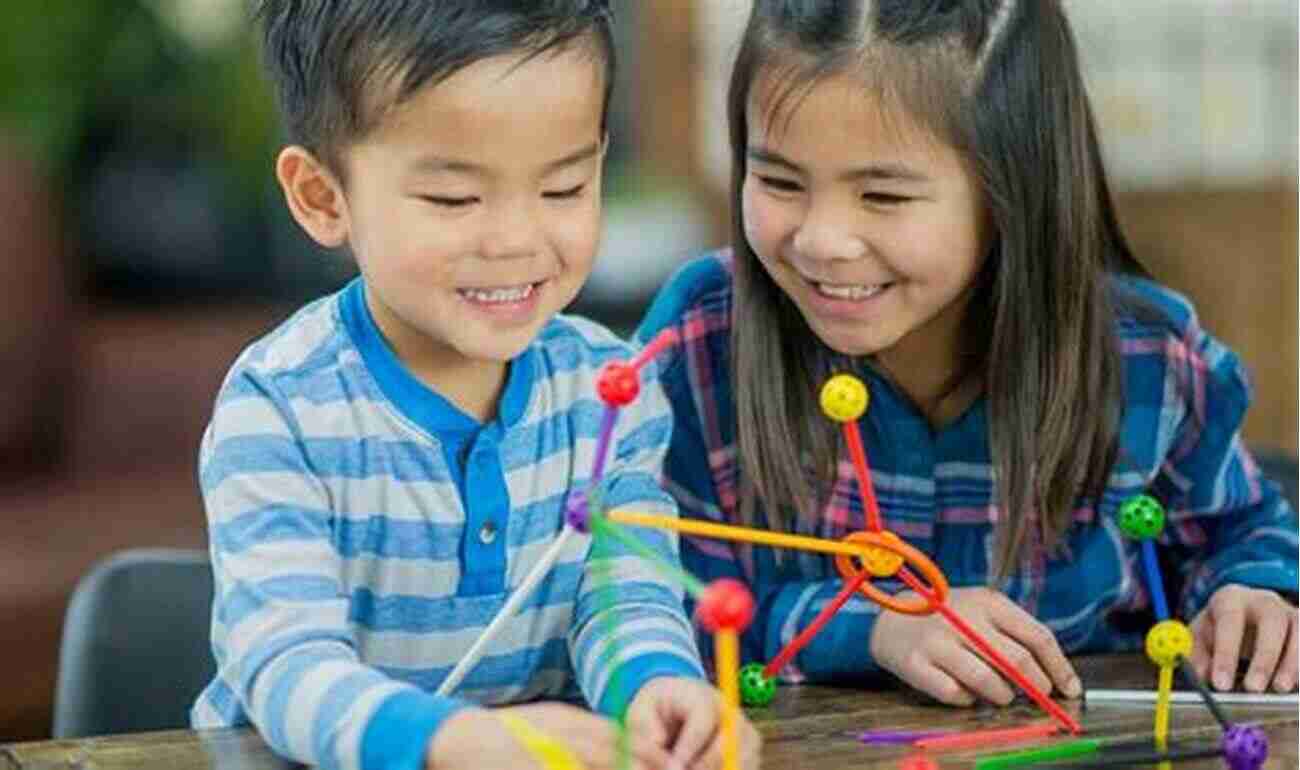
{"type": "Point", "coordinates": [314, 195]}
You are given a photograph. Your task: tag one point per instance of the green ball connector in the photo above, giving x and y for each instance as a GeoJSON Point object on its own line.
{"type": "Point", "coordinates": [1142, 517]}
{"type": "Point", "coordinates": [756, 688]}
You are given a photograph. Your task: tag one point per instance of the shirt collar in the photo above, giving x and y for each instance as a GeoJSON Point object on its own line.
{"type": "Point", "coordinates": [415, 400]}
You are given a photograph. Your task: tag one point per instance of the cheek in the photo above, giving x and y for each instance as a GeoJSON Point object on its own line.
{"type": "Point", "coordinates": [961, 253]}
{"type": "Point", "coordinates": [761, 221]}
{"type": "Point", "coordinates": [576, 234]}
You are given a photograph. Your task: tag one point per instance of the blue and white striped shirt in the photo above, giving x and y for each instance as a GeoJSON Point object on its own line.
{"type": "Point", "coordinates": [364, 531]}
{"type": "Point", "coordinates": [1185, 395]}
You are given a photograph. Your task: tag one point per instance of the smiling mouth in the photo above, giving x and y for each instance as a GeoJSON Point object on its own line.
{"type": "Point", "coordinates": [848, 291]}
{"type": "Point", "coordinates": [500, 295]}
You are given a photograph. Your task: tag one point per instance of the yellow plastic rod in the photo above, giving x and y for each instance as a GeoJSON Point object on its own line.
{"type": "Point", "coordinates": [549, 753]}
{"type": "Point", "coordinates": [726, 647]}
{"type": "Point", "coordinates": [1162, 707]}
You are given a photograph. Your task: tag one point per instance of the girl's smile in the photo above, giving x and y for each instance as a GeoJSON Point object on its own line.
{"type": "Point", "coordinates": [873, 228]}
{"type": "Point", "coordinates": [852, 302]}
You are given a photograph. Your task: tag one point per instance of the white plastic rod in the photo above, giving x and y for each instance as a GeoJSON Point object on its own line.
{"type": "Point", "coordinates": [508, 610]}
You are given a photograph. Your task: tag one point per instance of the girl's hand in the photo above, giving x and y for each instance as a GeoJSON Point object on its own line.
{"type": "Point", "coordinates": [927, 653]}
{"type": "Point", "coordinates": [1240, 622]}
{"type": "Point", "coordinates": [476, 738]}
{"type": "Point", "coordinates": [682, 715]}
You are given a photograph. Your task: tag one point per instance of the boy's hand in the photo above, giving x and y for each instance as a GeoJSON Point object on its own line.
{"type": "Point", "coordinates": [1240, 622]}
{"type": "Point", "coordinates": [682, 714]}
{"type": "Point", "coordinates": [476, 738]}
{"type": "Point", "coordinates": [928, 654]}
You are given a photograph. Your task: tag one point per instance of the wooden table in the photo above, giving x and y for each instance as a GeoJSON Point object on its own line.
{"type": "Point", "coordinates": [805, 727]}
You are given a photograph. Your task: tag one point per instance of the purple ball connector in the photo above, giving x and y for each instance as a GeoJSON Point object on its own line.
{"type": "Point", "coordinates": [576, 513]}
{"type": "Point", "coordinates": [1245, 747]}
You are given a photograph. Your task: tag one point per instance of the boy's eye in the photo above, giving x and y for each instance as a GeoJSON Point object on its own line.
{"type": "Point", "coordinates": [451, 203]}
{"type": "Point", "coordinates": [779, 184]}
{"type": "Point", "coordinates": [570, 192]}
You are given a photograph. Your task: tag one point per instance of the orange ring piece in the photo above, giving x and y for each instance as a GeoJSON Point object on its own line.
{"type": "Point", "coordinates": [932, 574]}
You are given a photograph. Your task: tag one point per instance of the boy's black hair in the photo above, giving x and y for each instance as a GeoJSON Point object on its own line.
{"type": "Point", "coordinates": [338, 65]}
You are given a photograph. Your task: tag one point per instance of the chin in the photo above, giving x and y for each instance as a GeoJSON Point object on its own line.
{"type": "Point", "coordinates": [501, 348]}
{"type": "Point", "coordinates": [849, 344]}
{"type": "Point", "coordinates": [496, 353]}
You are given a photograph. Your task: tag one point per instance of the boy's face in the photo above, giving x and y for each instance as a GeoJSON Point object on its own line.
{"type": "Point", "coordinates": [473, 210]}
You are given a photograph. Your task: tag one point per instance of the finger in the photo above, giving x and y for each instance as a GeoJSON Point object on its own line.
{"type": "Point", "coordinates": [973, 675]}
{"type": "Point", "coordinates": [695, 735]}
{"type": "Point", "coordinates": [1040, 644]}
{"type": "Point", "coordinates": [748, 744]}
{"type": "Point", "coordinates": [599, 744]}
{"type": "Point", "coordinates": [1020, 658]}
{"type": "Point", "coordinates": [1272, 623]}
{"type": "Point", "coordinates": [645, 722]}
{"type": "Point", "coordinates": [979, 677]}
{"type": "Point", "coordinates": [751, 746]}
{"type": "Point", "coordinates": [1202, 643]}
{"type": "Point", "coordinates": [710, 758]}
{"type": "Point", "coordinates": [1229, 626]}
{"type": "Point", "coordinates": [616, 755]}
{"type": "Point", "coordinates": [649, 753]}
{"type": "Point", "coordinates": [924, 672]}
{"type": "Point", "coordinates": [1287, 670]}
{"type": "Point", "coordinates": [596, 749]}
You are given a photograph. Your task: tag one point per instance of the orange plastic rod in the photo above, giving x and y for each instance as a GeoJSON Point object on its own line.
{"type": "Point", "coordinates": [854, 545]}
{"type": "Point", "coordinates": [739, 534]}
{"type": "Point", "coordinates": [726, 646]}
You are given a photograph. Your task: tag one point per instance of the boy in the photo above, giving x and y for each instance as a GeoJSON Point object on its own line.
{"type": "Point", "coordinates": [385, 466]}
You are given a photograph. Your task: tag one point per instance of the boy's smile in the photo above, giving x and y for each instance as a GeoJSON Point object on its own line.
{"type": "Point", "coordinates": [473, 211]}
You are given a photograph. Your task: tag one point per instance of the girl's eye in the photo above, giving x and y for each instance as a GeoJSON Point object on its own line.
{"type": "Point", "coordinates": [451, 203]}
{"type": "Point", "coordinates": [885, 199]}
{"type": "Point", "coordinates": [572, 192]}
{"type": "Point", "coordinates": [778, 184]}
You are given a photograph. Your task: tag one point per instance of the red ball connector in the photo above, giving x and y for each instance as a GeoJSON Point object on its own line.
{"type": "Point", "coordinates": [618, 383]}
{"type": "Point", "coordinates": [725, 603]}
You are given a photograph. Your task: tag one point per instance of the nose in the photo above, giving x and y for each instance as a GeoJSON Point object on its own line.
{"type": "Point", "coordinates": [513, 231]}
{"type": "Point", "coordinates": [827, 234]}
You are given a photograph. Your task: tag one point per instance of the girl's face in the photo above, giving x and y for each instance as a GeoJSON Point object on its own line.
{"type": "Point", "coordinates": [873, 228]}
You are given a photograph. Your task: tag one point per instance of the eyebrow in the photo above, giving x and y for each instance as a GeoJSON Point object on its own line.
{"type": "Point", "coordinates": [433, 163]}
{"type": "Point", "coordinates": [884, 171]}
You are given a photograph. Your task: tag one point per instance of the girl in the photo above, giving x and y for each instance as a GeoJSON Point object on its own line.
{"type": "Point", "coordinates": [919, 199]}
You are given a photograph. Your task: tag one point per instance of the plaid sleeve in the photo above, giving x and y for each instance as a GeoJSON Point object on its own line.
{"type": "Point", "coordinates": [629, 624]}
{"type": "Point", "coordinates": [701, 473]}
{"type": "Point", "coordinates": [1234, 524]}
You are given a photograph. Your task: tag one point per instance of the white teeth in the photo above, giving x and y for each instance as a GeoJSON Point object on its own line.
{"type": "Point", "coordinates": [853, 292]}
{"type": "Point", "coordinates": [506, 294]}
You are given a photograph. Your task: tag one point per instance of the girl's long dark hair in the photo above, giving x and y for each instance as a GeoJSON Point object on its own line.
{"type": "Point", "coordinates": [999, 81]}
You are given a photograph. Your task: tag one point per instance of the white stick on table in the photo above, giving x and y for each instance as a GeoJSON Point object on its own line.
{"type": "Point", "coordinates": [1100, 696]}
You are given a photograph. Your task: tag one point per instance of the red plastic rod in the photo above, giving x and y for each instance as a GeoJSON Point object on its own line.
{"type": "Point", "coordinates": [799, 642]}
{"type": "Point", "coordinates": [664, 339]}
{"type": "Point", "coordinates": [993, 656]}
{"type": "Point", "coordinates": [868, 490]}
{"type": "Point", "coordinates": [977, 739]}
